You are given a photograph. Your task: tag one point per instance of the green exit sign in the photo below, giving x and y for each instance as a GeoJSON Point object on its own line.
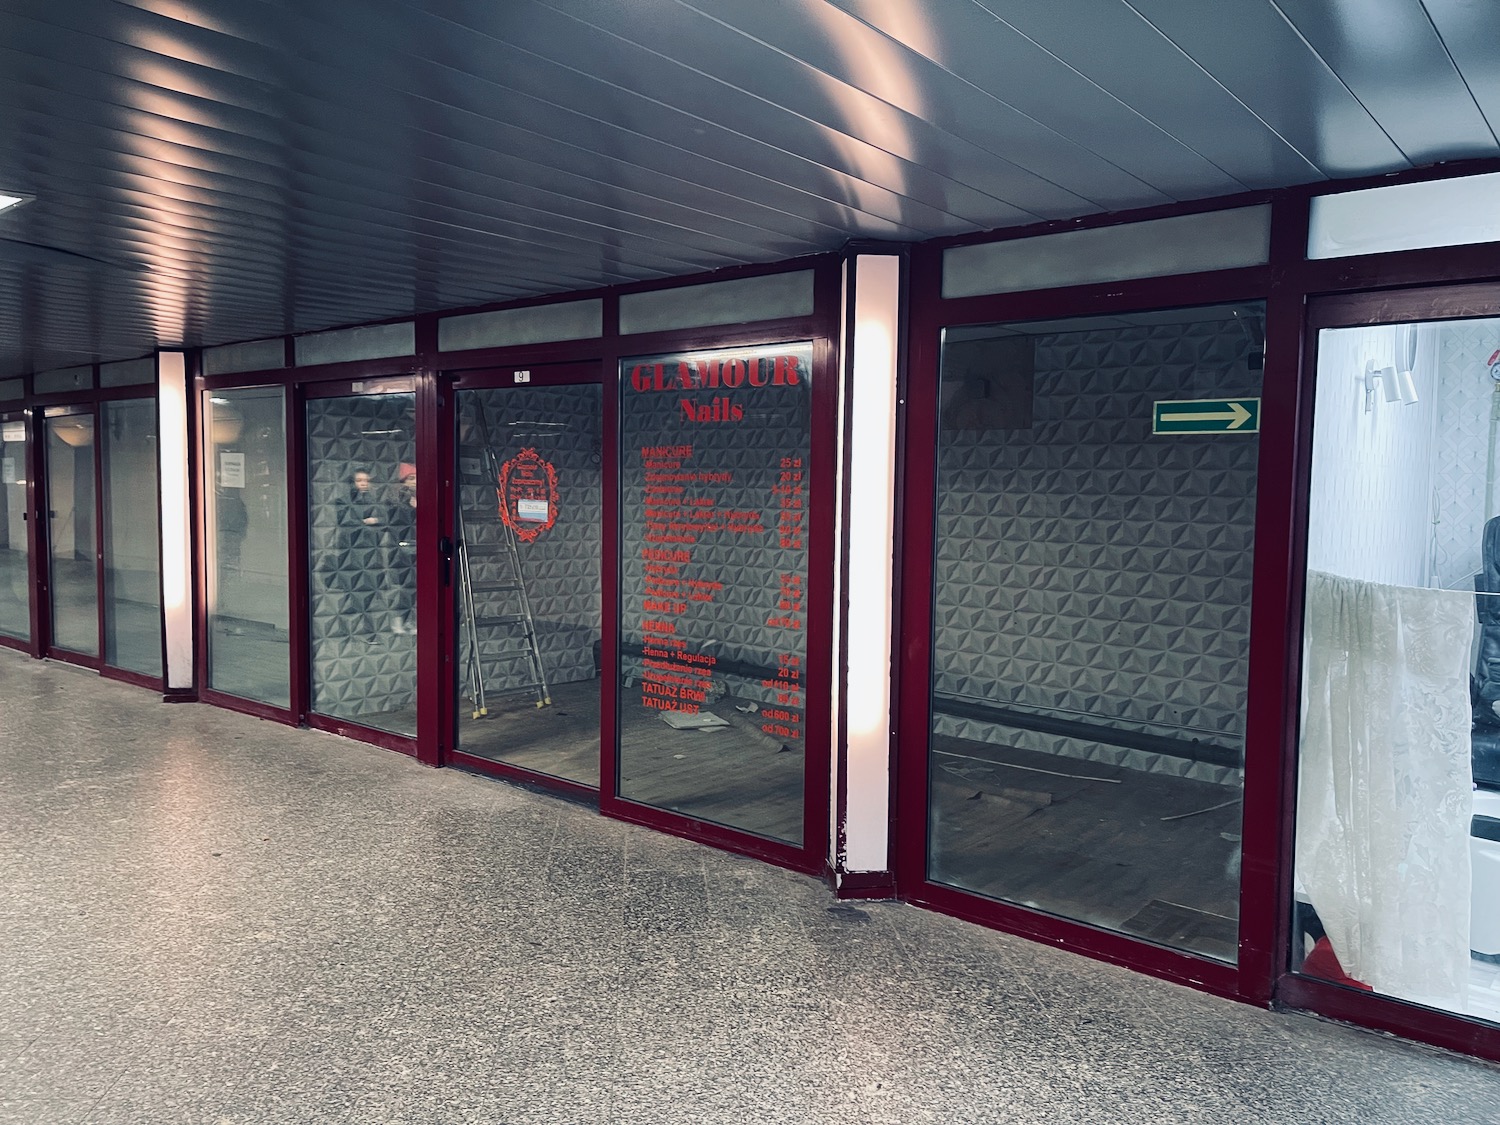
{"type": "Point", "coordinates": [1207, 416]}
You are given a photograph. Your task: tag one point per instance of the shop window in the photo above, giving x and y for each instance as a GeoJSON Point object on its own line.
{"type": "Point", "coordinates": [1397, 874]}
{"type": "Point", "coordinates": [132, 551]}
{"type": "Point", "coordinates": [714, 488]}
{"type": "Point", "coordinates": [245, 494]}
{"type": "Point", "coordinates": [1094, 533]}
{"type": "Point", "coordinates": [362, 555]}
{"type": "Point", "coordinates": [15, 582]}
{"type": "Point", "coordinates": [71, 531]}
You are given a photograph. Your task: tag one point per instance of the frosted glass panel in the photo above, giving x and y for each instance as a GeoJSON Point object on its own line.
{"type": "Point", "coordinates": [538, 324]}
{"type": "Point", "coordinates": [129, 373]}
{"type": "Point", "coordinates": [376, 342]}
{"type": "Point", "coordinates": [740, 301]}
{"type": "Point", "coordinates": [256, 355]}
{"type": "Point", "coordinates": [66, 379]}
{"type": "Point", "coordinates": [1405, 217]}
{"type": "Point", "coordinates": [1219, 240]}
{"type": "Point", "coordinates": [12, 388]}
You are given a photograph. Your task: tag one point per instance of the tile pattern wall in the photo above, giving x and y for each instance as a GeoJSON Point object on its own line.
{"type": "Point", "coordinates": [360, 665]}
{"type": "Point", "coordinates": [1466, 492]}
{"type": "Point", "coordinates": [1090, 570]}
{"type": "Point", "coordinates": [560, 567]}
{"type": "Point", "coordinates": [736, 627]}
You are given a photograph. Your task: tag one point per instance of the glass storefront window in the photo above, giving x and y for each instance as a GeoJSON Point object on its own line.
{"type": "Point", "coordinates": [362, 540]}
{"type": "Point", "coordinates": [1094, 531]}
{"type": "Point", "coordinates": [15, 582]}
{"type": "Point", "coordinates": [714, 483]}
{"type": "Point", "coordinates": [529, 502]}
{"type": "Point", "coordinates": [132, 543]}
{"type": "Point", "coordinates": [1397, 870]}
{"type": "Point", "coordinates": [245, 490]}
{"type": "Point", "coordinates": [71, 533]}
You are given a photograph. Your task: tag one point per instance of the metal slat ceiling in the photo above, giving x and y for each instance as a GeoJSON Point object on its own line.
{"type": "Point", "coordinates": [215, 170]}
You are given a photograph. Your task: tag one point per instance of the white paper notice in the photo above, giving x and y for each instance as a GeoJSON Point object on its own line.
{"type": "Point", "coordinates": [231, 470]}
{"type": "Point", "coordinates": [531, 511]}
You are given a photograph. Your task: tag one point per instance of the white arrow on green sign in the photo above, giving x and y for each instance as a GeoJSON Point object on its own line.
{"type": "Point", "coordinates": [1207, 416]}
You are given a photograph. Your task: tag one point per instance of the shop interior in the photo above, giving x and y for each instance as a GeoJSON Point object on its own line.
{"type": "Point", "coordinates": [1092, 597]}
{"type": "Point", "coordinates": [1398, 821]}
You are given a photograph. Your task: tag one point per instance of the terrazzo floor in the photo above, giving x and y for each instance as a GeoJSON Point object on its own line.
{"type": "Point", "coordinates": [207, 918]}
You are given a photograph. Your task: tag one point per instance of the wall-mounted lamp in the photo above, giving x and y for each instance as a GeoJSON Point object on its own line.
{"type": "Point", "coordinates": [1395, 386]}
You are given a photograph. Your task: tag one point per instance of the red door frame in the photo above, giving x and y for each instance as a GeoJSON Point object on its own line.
{"type": "Point", "coordinates": [50, 648]}
{"type": "Point", "coordinates": [544, 374]}
{"type": "Point", "coordinates": [32, 645]}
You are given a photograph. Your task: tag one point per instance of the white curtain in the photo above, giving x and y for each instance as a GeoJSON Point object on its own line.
{"type": "Point", "coordinates": [1385, 790]}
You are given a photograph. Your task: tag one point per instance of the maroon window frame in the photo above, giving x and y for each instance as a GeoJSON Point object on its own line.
{"type": "Point", "coordinates": [1349, 310]}
{"type": "Point", "coordinates": [1249, 977]}
{"type": "Point", "coordinates": [32, 646]}
{"type": "Point", "coordinates": [541, 374]}
{"type": "Point", "coordinates": [300, 581]}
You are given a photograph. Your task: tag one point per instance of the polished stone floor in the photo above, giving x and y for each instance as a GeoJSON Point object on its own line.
{"type": "Point", "coordinates": [206, 918]}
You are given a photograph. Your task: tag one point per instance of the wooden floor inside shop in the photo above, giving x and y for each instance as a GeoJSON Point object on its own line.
{"type": "Point", "coordinates": [734, 775]}
{"type": "Point", "coordinates": [1146, 853]}
{"type": "Point", "coordinates": [559, 740]}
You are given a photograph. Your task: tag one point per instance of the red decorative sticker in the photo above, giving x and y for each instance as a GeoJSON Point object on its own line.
{"type": "Point", "coordinates": [528, 495]}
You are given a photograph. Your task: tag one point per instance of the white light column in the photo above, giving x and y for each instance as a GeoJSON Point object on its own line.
{"type": "Point", "coordinates": [176, 537]}
{"type": "Point", "coordinates": [866, 551]}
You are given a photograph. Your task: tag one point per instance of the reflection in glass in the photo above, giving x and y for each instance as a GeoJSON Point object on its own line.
{"type": "Point", "coordinates": [70, 499]}
{"type": "Point", "coordinates": [15, 584]}
{"type": "Point", "coordinates": [132, 545]}
{"type": "Point", "coordinates": [714, 484]}
{"type": "Point", "coordinates": [362, 538]}
{"type": "Point", "coordinates": [1091, 621]}
{"type": "Point", "coordinates": [1397, 875]}
{"type": "Point", "coordinates": [246, 577]}
{"type": "Point", "coordinates": [528, 578]}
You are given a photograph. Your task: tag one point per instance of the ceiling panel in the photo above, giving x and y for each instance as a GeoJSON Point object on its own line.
{"type": "Point", "coordinates": [215, 170]}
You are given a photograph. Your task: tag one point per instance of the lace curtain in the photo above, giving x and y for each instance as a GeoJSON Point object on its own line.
{"type": "Point", "coordinates": [1385, 788]}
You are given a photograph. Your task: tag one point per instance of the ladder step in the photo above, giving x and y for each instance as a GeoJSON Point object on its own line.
{"type": "Point", "coordinates": [494, 587]}
{"type": "Point", "coordinates": [502, 619]}
{"type": "Point", "coordinates": [487, 548]}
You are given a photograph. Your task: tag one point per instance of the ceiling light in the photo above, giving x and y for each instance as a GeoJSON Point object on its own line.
{"type": "Point", "coordinates": [10, 200]}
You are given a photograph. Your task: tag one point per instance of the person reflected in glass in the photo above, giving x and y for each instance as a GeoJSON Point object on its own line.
{"type": "Point", "coordinates": [361, 520]}
{"type": "Point", "coordinates": [402, 522]}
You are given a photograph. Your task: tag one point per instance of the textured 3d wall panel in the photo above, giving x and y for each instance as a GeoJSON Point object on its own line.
{"type": "Point", "coordinates": [560, 567]}
{"type": "Point", "coordinates": [360, 574]}
{"type": "Point", "coordinates": [1089, 570]}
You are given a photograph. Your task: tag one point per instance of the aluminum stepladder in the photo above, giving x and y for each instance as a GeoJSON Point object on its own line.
{"type": "Point", "coordinates": [495, 609]}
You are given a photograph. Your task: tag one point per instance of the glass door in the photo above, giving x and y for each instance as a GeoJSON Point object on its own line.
{"type": "Point", "coordinates": [72, 530]}
{"type": "Point", "coordinates": [526, 517]}
{"type": "Point", "coordinates": [362, 553]}
{"type": "Point", "coordinates": [15, 552]}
